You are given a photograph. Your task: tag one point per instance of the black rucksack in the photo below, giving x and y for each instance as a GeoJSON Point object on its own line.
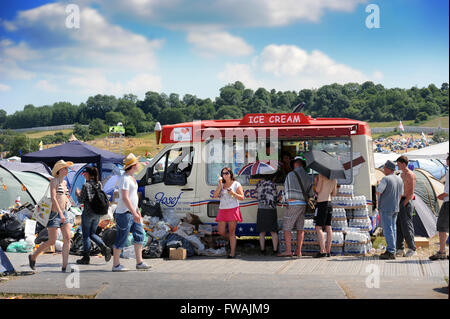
{"type": "Point", "coordinates": [99, 202]}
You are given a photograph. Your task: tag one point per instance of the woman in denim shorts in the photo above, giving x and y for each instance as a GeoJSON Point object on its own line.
{"type": "Point", "coordinates": [58, 217]}
{"type": "Point", "coordinates": [127, 216]}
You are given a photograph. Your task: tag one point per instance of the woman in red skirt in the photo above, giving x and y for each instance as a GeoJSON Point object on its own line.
{"type": "Point", "coordinates": [230, 193]}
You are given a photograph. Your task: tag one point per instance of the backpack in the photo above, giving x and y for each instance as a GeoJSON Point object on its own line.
{"type": "Point", "coordinates": [100, 202]}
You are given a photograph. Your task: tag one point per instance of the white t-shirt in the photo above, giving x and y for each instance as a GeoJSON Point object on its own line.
{"type": "Point", "coordinates": [226, 201]}
{"type": "Point", "coordinates": [128, 183]}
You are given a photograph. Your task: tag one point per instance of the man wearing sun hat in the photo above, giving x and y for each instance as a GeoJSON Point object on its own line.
{"type": "Point", "coordinates": [128, 217]}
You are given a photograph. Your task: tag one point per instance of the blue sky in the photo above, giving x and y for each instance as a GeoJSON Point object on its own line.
{"type": "Point", "coordinates": [197, 47]}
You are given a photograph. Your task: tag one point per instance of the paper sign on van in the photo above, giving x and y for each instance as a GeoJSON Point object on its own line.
{"type": "Point", "coordinates": [182, 134]}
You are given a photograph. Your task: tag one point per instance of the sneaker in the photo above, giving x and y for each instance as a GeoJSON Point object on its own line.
{"type": "Point", "coordinates": [400, 253]}
{"type": "Point", "coordinates": [387, 256]}
{"type": "Point", "coordinates": [438, 256]}
{"type": "Point", "coordinates": [142, 266]}
{"type": "Point", "coordinates": [119, 268]}
{"type": "Point", "coordinates": [410, 253]}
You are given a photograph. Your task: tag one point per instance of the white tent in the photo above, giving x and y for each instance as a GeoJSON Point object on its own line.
{"type": "Point", "coordinates": [437, 151]}
{"type": "Point", "coordinates": [381, 158]}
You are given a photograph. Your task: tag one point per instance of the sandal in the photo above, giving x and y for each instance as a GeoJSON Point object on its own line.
{"type": "Point", "coordinates": [438, 256]}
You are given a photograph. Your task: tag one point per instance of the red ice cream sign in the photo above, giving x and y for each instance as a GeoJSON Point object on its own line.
{"type": "Point", "coordinates": [275, 119]}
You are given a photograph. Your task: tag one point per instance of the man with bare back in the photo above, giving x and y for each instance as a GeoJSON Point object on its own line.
{"type": "Point", "coordinates": [405, 226]}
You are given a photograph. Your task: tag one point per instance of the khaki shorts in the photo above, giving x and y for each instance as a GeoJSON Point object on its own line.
{"type": "Point", "coordinates": [294, 216]}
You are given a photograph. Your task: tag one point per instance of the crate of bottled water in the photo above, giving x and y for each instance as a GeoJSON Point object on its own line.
{"type": "Point", "coordinates": [293, 235]}
{"type": "Point", "coordinates": [345, 190]}
{"type": "Point", "coordinates": [309, 224]}
{"type": "Point", "coordinates": [362, 224]}
{"type": "Point", "coordinates": [310, 248]}
{"type": "Point", "coordinates": [356, 237]}
{"type": "Point", "coordinates": [338, 225]}
{"type": "Point", "coordinates": [339, 213]}
{"type": "Point", "coordinates": [361, 213]}
{"type": "Point", "coordinates": [282, 247]}
{"type": "Point", "coordinates": [337, 238]}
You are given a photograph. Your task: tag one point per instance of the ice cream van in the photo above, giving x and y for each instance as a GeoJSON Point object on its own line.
{"type": "Point", "coordinates": [184, 175]}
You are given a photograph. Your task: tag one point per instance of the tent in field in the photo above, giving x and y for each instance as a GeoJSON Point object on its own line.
{"type": "Point", "coordinates": [27, 167]}
{"type": "Point", "coordinates": [29, 186]}
{"type": "Point", "coordinates": [75, 151]}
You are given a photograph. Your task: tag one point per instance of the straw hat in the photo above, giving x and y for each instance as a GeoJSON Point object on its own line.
{"type": "Point", "coordinates": [60, 165]}
{"type": "Point", "coordinates": [130, 160]}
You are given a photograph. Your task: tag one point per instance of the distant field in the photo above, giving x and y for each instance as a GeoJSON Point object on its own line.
{"type": "Point", "coordinates": [44, 133]}
{"type": "Point", "coordinates": [430, 123]}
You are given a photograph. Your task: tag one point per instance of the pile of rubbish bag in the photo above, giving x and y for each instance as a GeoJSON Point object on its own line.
{"type": "Point", "coordinates": [163, 230]}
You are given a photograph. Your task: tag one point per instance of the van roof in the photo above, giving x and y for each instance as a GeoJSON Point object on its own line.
{"type": "Point", "coordinates": [287, 124]}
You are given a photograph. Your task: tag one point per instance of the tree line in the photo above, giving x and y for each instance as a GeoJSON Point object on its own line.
{"type": "Point", "coordinates": [366, 102]}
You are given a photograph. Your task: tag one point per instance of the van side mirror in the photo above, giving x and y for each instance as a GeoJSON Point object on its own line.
{"type": "Point", "coordinates": [147, 178]}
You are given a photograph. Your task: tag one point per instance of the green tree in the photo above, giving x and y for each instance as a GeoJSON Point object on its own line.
{"type": "Point", "coordinates": [81, 132]}
{"type": "Point", "coordinates": [97, 127]}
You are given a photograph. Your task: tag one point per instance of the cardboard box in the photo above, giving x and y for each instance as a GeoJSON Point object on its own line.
{"type": "Point", "coordinates": [420, 242]}
{"type": "Point", "coordinates": [50, 250]}
{"type": "Point", "coordinates": [177, 254]}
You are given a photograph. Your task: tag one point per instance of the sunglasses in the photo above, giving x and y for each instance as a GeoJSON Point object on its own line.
{"type": "Point", "coordinates": [225, 173]}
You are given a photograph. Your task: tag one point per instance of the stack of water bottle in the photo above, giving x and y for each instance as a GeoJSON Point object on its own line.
{"type": "Point", "coordinates": [348, 202]}
{"type": "Point", "coordinates": [361, 220]}
{"type": "Point", "coordinates": [357, 243]}
{"type": "Point", "coordinates": [345, 190]}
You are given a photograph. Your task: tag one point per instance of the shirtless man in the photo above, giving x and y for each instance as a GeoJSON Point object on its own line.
{"type": "Point", "coordinates": [405, 226]}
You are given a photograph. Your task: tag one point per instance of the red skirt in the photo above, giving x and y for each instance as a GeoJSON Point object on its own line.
{"type": "Point", "coordinates": [229, 215]}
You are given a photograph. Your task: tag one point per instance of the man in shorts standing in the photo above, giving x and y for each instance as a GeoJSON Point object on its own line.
{"type": "Point", "coordinates": [295, 212]}
{"type": "Point", "coordinates": [442, 222]}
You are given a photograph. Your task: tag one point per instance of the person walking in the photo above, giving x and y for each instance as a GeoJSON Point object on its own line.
{"type": "Point", "coordinates": [230, 193]}
{"type": "Point", "coordinates": [266, 219]}
{"type": "Point", "coordinates": [89, 218]}
{"type": "Point", "coordinates": [128, 217]}
{"type": "Point", "coordinates": [294, 216]}
{"type": "Point", "coordinates": [442, 221]}
{"type": "Point", "coordinates": [405, 226]}
{"type": "Point", "coordinates": [58, 217]}
{"type": "Point", "coordinates": [325, 188]}
{"type": "Point", "coordinates": [389, 193]}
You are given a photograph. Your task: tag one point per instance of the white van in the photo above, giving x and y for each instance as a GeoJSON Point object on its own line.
{"type": "Point", "coordinates": [184, 175]}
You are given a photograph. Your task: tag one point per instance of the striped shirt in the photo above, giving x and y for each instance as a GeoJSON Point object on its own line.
{"type": "Point", "coordinates": [293, 192]}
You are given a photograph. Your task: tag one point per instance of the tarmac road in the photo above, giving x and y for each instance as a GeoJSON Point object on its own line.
{"type": "Point", "coordinates": [254, 277]}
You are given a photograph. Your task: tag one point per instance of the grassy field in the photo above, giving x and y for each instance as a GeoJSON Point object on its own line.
{"type": "Point", "coordinates": [434, 122]}
{"type": "Point", "coordinates": [40, 134]}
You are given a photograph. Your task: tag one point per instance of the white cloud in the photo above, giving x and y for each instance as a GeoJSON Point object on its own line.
{"type": "Point", "coordinates": [239, 72]}
{"type": "Point", "coordinates": [44, 85]}
{"type": "Point", "coordinates": [92, 81]}
{"type": "Point", "coordinates": [99, 57]}
{"type": "Point", "coordinates": [288, 67]}
{"type": "Point", "coordinates": [4, 87]}
{"type": "Point", "coordinates": [225, 13]}
{"type": "Point", "coordinates": [211, 43]}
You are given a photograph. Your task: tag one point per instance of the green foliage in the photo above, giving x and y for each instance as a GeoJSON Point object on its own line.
{"type": "Point", "coordinates": [365, 101]}
{"type": "Point", "coordinates": [97, 127]}
{"type": "Point", "coordinates": [17, 144]}
{"type": "Point", "coordinates": [440, 137]}
{"type": "Point", "coordinates": [81, 132]}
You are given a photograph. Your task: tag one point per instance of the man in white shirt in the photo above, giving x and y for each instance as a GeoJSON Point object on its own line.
{"type": "Point", "coordinates": [442, 222]}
